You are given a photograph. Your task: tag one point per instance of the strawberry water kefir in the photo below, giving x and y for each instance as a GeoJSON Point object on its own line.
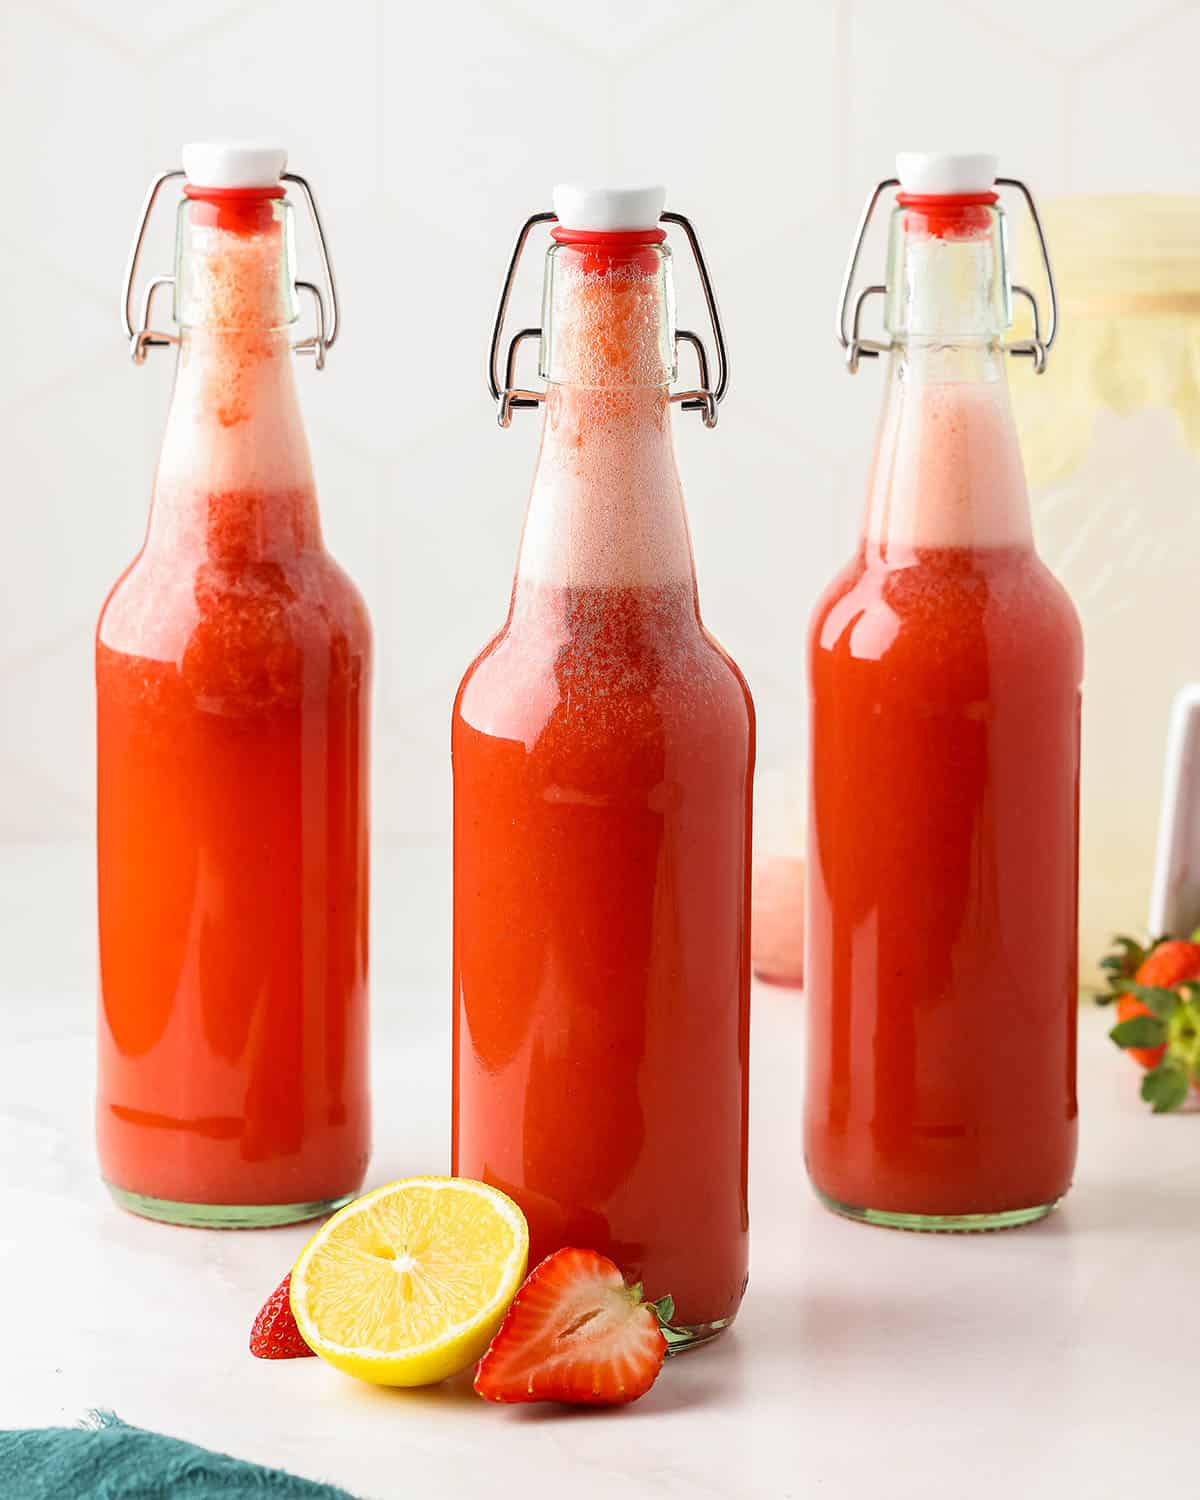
{"type": "Point", "coordinates": [603, 747]}
{"type": "Point", "coordinates": [945, 675]}
{"type": "Point", "coordinates": [233, 667]}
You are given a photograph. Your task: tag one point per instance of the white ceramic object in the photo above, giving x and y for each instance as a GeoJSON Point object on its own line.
{"type": "Point", "coordinates": [1175, 895]}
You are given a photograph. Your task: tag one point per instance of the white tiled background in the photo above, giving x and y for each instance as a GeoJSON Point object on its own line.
{"type": "Point", "coordinates": [430, 131]}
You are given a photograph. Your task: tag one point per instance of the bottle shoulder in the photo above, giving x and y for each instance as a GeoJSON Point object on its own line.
{"type": "Point", "coordinates": [947, 602]}
{"type": "Point", "coordinates": [161, 594]}
{"type": "Point", "coordinates": [522, 678]}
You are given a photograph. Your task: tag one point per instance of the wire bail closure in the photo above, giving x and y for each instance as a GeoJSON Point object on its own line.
{"type": "Point", "coordinates": [704, 398]}
{"type": "Point", "coordinates": [143, 337]}
{"type": "Point", "coordinates": [858, 348]}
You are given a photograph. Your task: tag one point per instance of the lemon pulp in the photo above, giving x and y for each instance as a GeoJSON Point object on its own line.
{"type": "Point", "coordinates": [408, 1284]}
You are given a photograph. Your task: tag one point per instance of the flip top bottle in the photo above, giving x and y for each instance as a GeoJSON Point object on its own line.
{"type": "Point", "coordinates": [233, 664]}
{"type": "Point", "coordinates": [603, 747]}
{"type": "Point", "coordinates": [945, 664]}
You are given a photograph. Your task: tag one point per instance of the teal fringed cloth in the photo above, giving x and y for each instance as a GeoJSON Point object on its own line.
{"type": "Point", "coordinates": [106, 1460]}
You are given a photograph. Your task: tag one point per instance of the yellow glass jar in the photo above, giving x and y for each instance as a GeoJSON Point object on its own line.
{"type": "Point", "coordinates": [1113, 459]}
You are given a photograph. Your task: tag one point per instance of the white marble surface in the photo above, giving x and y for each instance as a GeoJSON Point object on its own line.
{"type": "Point", "coordinates": [1053, 1361]}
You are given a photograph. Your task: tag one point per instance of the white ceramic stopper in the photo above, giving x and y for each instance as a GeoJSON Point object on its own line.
{"type": "Point", "coordinates": [608, 209]}
{"type": "Point", "coordinates": [233, 164]}
{"type": "Point", "coordinates": [937, 172]}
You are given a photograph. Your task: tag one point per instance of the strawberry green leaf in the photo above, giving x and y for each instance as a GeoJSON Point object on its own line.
{"type": "Point", "coordinates": [1140, 1031]}
{"type": "Point", "coordinates": [1120, 965]}
{"type": "Point", "coordinates": [1162, 1002]}
{"type": "Point", "coordinates": [1127, 956]}
{"type": "Point", "coordinates": [665, 1308]}
{"type": "Point", "coordinates": [676, 1338]}
{"type": "Point", "coordinates": [1165, 1087]}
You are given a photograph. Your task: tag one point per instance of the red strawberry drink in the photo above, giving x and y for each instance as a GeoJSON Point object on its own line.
{"type": "Point", "coordinates": [945, 666]}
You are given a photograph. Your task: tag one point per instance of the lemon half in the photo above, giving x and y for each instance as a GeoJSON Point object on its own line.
{"type": "Point", "coordinates": [408, 1284]}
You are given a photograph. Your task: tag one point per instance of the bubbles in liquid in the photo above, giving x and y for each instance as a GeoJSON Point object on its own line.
{"type": "Point", "coordinates": [606, 506]}
{"type": "Point", "coordinates": [234, 366]}
{"type": "Point", "coordinates": [947, 470]}
{"type": "Point", "coordinates": [609, 326]}
{"type": "Point", "coordinates": [233, 496]}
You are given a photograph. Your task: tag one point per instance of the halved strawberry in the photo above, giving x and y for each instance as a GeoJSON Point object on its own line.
{"type": "Point", "coordinates": [275, 1335]}
{"type": "Point", "coordinates": [576, 1333]}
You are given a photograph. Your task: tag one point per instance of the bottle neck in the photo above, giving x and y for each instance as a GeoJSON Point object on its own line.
{"type": "Point", "coordinates": [234, 480]}
{"type": "Point", "coordinates": [606, 509]}
{"type": "Point", "coordinates": [947, 471]}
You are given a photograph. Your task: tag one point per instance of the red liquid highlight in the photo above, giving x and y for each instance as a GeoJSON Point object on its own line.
{"type": "Point", "coordinates": [602, 749]}
{"type": "Point", "coordinates": [942, 956]}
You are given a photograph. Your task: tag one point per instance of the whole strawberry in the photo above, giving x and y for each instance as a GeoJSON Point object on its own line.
{"type": "Point", "coordinates": [577, 1333]}
{"type": "Point", "coordinates": [1157, 992]}
{"type": "Point", "coordinates": [275, 1335]}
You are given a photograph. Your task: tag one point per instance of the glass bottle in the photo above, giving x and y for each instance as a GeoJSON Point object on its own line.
{"type": "Point", "coordinates": [945, 665]}
{"type": "Point", "coordinates": [603, 748]}
{"type": "Point", "coordinates": [233, 663]}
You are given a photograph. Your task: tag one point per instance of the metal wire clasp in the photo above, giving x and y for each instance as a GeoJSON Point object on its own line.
{"type": "Point", "coordinates": [858, 348]}
{"type": "Point", "coordinates": [705, 398]}
{"type": "Point", "coordinates": [142, 336]}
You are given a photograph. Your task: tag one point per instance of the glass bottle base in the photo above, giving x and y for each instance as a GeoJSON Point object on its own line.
{"type": "Point", "coordinates": [683, 1337]}
{"type": "Point", "coordinates": [1011, 1218]}
{"type": "Point", "coordinates": [224, 1215]}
